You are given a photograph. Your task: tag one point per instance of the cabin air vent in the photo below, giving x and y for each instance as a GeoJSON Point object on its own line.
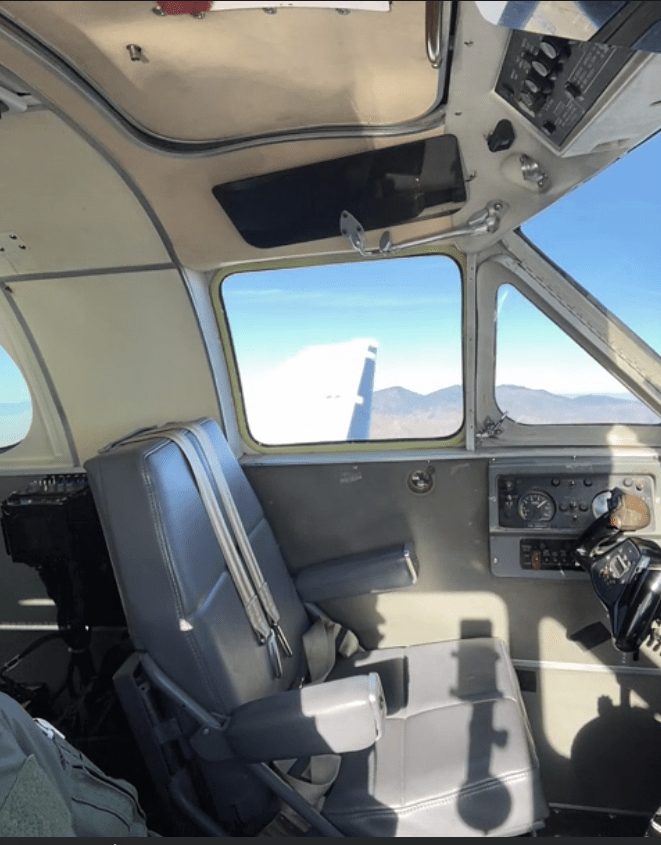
{"type": "Point", "coordinates": [526, 172]}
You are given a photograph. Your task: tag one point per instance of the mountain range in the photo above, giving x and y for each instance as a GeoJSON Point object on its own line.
{"type": "Point", "coordinates": [399, 413]}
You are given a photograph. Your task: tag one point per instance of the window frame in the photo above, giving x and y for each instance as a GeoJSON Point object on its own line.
{"type": "Point", "coordinates": [583, 319]}
{"type": "Point", "coordinates": [48, 443]}
{"type": "Point", "coordinates": [454, 441]}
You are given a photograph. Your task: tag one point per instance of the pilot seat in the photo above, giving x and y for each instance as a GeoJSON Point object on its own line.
{"type": "Point", "coordinates": [425, 740]}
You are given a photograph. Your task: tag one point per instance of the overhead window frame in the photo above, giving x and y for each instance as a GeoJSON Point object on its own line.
{"type": "Point", "coordinates": [609, 341]}
{"type": "Point", "coordinates": [455, 441]}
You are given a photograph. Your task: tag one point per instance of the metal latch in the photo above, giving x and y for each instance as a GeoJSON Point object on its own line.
{"type": "Point", "coordinates": [485, 221]}
{"type": "Point", "coordinates": [490, 428]}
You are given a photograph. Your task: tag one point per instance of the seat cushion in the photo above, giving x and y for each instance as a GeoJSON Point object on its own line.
{"type": "Point", "coordinates": [456, 757]}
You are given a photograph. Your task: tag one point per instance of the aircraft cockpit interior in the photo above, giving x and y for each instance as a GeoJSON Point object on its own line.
{"type": "Point", "coordinates": [330, 418]}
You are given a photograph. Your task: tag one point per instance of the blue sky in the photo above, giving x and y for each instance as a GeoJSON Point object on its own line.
{"type": "Point", "coordinates": [411, 307]}
{"type": "Point", "coordinates": [13, 386]}
{"type": "Point", "coordinates": [607, 233]}
{"type": "Point", "coordinates": [15, 405]}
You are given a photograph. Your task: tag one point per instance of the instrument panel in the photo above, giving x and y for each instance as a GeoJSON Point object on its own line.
{"type": "Point", "coordinates": [539, 508]}
{"type": "Point", "coordinates": [562, 502]}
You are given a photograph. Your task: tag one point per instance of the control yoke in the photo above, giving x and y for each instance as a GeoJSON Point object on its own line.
{"type": "Point", "coordinates": [625, 572]}
{"type": "Point", "coordinates": [628, 512]}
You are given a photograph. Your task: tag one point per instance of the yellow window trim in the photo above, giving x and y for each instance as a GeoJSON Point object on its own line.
{"type": "Point", "coordinates": [453, 441]}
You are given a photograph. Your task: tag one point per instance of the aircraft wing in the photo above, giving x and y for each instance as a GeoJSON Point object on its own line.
{"type": "Point", "coordinates": [321, 394]}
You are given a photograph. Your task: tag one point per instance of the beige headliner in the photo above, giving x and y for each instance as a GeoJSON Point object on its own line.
{"type": "Point", "coordinates": [66, 202]}
{"type": "Point", "coordinates": [178, 187]}
{"type": "Point", "coordinates": [241, 73]}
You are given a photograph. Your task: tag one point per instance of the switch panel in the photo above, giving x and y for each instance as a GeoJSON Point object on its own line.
{"type": "Point", "coordinates": [554, 82]}
{"type": "Point", "coordinates": [547, 553]}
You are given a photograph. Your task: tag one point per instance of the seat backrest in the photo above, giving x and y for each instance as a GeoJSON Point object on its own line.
{"type": "Point", "coordinates": [180, 601]}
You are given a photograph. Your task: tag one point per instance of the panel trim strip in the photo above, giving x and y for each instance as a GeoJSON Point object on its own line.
{"type": "Point", "coordinates": [92, 271]}
{"type": "Point", "coordinates": [592, 668]}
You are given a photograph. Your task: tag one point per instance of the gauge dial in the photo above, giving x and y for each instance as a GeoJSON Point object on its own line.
{"type": "Point", "coordinates": [600, 503]}
{"type": "Point", "coordinates": [536, 507]}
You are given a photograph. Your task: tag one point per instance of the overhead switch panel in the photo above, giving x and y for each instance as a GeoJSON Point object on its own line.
{"type": "Point", "coordinates": [554, 82]}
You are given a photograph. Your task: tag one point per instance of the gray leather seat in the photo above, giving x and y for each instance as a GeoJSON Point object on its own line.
{"type": "Point", "coordinates": [455, 756]}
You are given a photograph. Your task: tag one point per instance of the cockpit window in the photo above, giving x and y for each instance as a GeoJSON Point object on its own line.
{"type": "Point", "coordinates": [605, 234]}
{"type": "Point", "coordinates": [349, 352]}
{"type": "Point", "coordinates": [15, 403]}
{"type": "Point", "coordinates": [544, 378]}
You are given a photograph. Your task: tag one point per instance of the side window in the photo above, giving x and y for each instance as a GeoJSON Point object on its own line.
{"type": "Point", "coordinates": [15, 403]}
{"type": "Point", "coordinates": [544, 378]}
{"type": "Point", "coordinates": [349, 352]}
{"type": "Point", "coordinates": [606, 234]}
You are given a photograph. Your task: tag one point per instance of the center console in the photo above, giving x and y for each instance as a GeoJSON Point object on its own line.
{"type": "Point", "coordinates": [539, 508]}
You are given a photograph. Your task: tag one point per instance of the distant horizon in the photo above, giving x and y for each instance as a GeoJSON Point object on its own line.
{"type": "Point", "coordinates": [629, 397]}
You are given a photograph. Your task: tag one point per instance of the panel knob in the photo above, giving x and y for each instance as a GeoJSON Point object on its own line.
{"type": "Point", "coordinates": [554, 49]}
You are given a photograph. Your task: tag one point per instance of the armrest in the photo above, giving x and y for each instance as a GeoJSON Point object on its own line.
{"type": "Point", "coordinates": [372, 572]}
{"type": "Point", "coordinates": [329, 718]}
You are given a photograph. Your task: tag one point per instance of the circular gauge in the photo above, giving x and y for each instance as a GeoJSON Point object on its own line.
{"type": "Point", "coordinates": [536, 507]}
{"type": "Point", "coordinates": [600, 503]}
